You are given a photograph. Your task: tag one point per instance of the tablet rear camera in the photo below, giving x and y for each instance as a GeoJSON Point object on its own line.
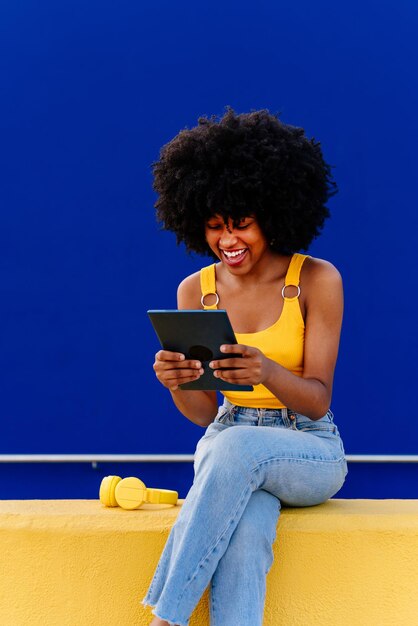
{"type": "Point", "coordinates": [201, 353]}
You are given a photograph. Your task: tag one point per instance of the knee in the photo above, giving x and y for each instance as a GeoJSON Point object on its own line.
{"type": "Point", "coordinates": [230, 450]}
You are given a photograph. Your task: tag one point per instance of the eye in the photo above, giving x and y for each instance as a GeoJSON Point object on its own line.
{"type": "Point", "coordinates": [213, 226]}
{"type": "Point", "coordinates": [242, 225]}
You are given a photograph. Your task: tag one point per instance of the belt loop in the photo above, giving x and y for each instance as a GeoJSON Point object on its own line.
{"type": "Point", "coordinates": [285, 416]}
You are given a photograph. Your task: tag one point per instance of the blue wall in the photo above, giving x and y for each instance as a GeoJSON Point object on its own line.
{"type": "Point", "coordinates": [90, 92]}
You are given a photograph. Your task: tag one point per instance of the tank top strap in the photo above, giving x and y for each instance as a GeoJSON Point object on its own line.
{"type": "Point", "coordinates": [208, 285]}
{"type": "Point", "coordinates": [293, 273]}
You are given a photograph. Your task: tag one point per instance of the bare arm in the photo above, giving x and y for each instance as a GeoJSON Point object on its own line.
{"type": "Point", "coordinates": [311, 393]}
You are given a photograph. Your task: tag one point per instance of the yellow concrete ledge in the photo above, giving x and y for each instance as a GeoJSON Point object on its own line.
{"type": "Point", "coordinates": [76, 563]}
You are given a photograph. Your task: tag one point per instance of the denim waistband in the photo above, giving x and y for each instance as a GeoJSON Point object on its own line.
{"type": "Point", "coordinates": [284, 413]}
{"type": "Point", "coordinates": [256, 412]}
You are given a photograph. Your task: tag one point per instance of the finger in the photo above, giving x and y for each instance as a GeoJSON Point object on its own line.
{"type": "Point", "coordinates": [233, 376]}
{"type": "Point", "coordinates": [173, 384]}
{"type": "Point", "coordinates": [226, 363]}
{"type": "Point", "coordinates": [168, 365]}
{"type": "Point", "coordinates": [173, 375]}
{"type": "Point", "coordinates": [166, 355]}
{"type": "Point", "coordinates": [236, 348]}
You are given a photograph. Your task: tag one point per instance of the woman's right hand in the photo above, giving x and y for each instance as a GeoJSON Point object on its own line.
{"type": "Point", "coordinates": [172, 369]}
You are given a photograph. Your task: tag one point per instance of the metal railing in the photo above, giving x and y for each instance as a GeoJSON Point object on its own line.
{"type": "Point", "coordinates": [173, 458]}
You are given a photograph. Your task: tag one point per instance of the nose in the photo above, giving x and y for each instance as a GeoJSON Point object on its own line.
{"type": "Point", "coordinates": [228, 238]}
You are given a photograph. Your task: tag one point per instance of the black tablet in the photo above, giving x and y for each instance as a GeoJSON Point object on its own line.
{"type": "Point", "coordinates": [198, 335]}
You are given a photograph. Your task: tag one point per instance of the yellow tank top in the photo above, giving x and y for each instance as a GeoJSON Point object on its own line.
{"type": "Point", "coordinates": [282, 342]}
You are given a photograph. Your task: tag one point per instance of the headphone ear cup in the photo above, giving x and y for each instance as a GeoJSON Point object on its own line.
{"type": "Point", "coordinates": [107, 490]}
{"type": "Point", "coordinates": [130, 493]}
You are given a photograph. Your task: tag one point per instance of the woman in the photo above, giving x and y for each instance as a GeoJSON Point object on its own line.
{"type": "Point", "coordinates": [251, 192]}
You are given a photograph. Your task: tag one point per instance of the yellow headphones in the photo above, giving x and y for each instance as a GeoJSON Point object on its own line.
{"type": "Point", "coordinates": [131, 493]}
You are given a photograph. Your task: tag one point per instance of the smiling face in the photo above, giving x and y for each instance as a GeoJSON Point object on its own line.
{"type": "Point", "coordinates": [239, 245]}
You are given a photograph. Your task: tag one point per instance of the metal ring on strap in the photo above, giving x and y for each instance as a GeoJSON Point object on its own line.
{"type": "Point", "coordinates": [297, 295]}
{"type": "Point", "coordinates": [211, 293]}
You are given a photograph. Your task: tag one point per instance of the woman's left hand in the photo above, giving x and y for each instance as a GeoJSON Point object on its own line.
{"type": "Point", "coordinates": [251, 369]}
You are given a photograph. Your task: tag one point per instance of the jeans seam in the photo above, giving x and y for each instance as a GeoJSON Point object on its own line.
{"type": "Point", "coordinates": [298, 459]}
{"type": "Point", "coordinates": [327, 426]}
{"type": "Point", "coordinates": [151, 587]}
{"type": "Point", "coordinates": [212, 603]}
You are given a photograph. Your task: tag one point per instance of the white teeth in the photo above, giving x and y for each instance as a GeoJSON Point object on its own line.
{"type": "Point", "coordinates": [235, 253]}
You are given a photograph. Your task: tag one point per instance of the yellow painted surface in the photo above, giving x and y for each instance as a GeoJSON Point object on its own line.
{"type": "Point", "coordinates": [77, 563]}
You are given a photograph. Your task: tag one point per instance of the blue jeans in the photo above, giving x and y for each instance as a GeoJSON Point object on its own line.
{"type": "Point", "coordinates": [225, 529]}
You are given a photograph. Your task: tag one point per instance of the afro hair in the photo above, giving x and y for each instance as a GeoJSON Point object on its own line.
{"type": "Point", "coordinates": [246, 164]}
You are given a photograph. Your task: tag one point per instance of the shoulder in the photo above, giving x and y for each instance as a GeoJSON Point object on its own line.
{"type": "Point", "coordinates": [317, 272]}
{"type": "Point", "coordinates": [189, 293]}
{"type": "Point", "coordinates": [322, 286]}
